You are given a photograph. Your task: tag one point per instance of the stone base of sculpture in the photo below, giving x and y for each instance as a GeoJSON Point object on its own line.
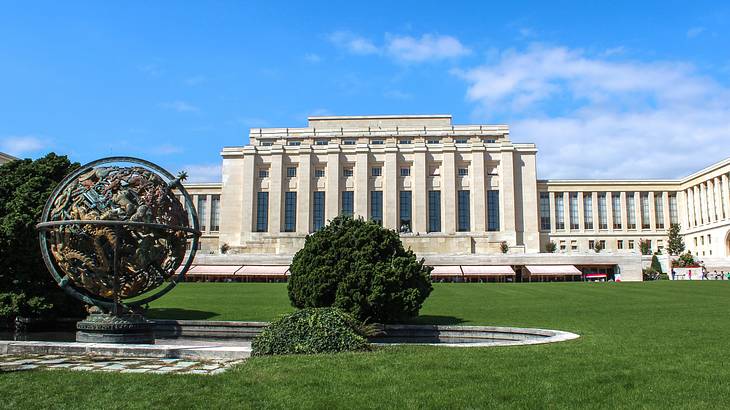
{"type": "Point", "coordinates": [108, 328]}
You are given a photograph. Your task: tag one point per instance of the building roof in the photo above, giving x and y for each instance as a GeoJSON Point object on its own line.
{"type": "Point", "coordinates": [6, 158]}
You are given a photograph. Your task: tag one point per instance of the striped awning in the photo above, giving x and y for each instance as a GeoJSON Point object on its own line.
{"type": "Point", "coordinates": [553, 270]}
{"type": "Point", "coordinates": [454, 270]}
{"type": "Point", "coordinates": [263, 270]}
{"type": "Point", "coordinates": [481, 270]}
{"type": "Point", "coordinates": [201, 270]}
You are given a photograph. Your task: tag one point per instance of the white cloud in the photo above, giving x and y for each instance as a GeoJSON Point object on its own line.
{"type": "Point", "coordinates": [595, 118]}
{"type": "Point", "coordinates": [21, 145]}
{"type": "Point", "coordinates": [312, 58]}
{"type": "Point", "coordinates": [695, 31]}
{"type": "Point", "coordinates": [179, 106]}
{"type": "Point", "coordinates": [203, 172]}
{"type": "Point", "coordinates": [428, 47]}
{"type": "Point", "coordinates": [353, 43]}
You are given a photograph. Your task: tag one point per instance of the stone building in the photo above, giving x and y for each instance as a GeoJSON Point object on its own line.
{"type": "Point", "coordinates": [6, 158]}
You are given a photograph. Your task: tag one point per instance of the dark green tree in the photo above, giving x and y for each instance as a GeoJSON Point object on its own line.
{"type": "Point", "coordinates": [551, 247]}
{"type": "Point", "coordinates": [25, 185]}
{"type": "Point", "coordinates": [675, 244]}
{"type": "Point", "coordinates": [655, 265]}
{"type": "Point", "coordinates": [361, 268]}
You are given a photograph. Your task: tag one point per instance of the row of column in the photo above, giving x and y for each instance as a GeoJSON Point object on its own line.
{"type": "Point", "coordinates": [708, 201]}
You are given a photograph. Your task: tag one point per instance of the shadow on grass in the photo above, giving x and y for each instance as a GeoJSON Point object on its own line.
{"type": "Point", "coordinates": [436, 320]}
{"type": "Point", "coordinates": [179, 314]}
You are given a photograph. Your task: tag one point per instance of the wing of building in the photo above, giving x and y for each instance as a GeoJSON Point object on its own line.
{"type": "Point", "coordinates": [454, 192]}
{"type": "Point", "coordinates": [6, 158]}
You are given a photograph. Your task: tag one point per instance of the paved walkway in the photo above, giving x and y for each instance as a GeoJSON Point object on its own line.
{"type": "Point", "coordinates": [108, 364]}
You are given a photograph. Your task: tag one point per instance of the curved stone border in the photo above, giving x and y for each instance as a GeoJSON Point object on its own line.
{"type": "Point", "coordinates": [491, 335]}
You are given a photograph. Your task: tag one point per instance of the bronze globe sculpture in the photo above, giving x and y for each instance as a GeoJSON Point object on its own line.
{"type": "Point", "coordinates": [116, 237]}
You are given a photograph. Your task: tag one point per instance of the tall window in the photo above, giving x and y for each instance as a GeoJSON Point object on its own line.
{"type": "Point", "coordinates": [616, 204]}
{"type": "Point", "coordinates": [545, 211]}
{"type": "Point", "coordinates": [405, 171]}
{"type": "Point", "coordinates": [291, 172]}
{"type": "Point", "coordinates": [202, 202]}
{"type": "Point", "coordinates": [434, 211]}
{"type": "Point", "coordinates": [463, 172]}
{"type": "Point", "coordinates": [376, 171]}
{"type": "Point", "coordinates": [673, 215]}
{"type": "Point", "coordinates": [559, 211]}
{"type": "Point", "coordinates": [348, 203]}
{"type": "Point", "coordinates": [318, 210]}
{"type": "Point", "coordinates": [319, 173]}
{"type": "Point", "coordinates": [588, 210]}
{"type": "Point", "coordinates": [645, 221]}
{"type": "Point", "coordinates": [463, 211]}
{"type": "Point", "coordinates": [376, 207]}
{"type": "Point", "coordinates": [290, 212]}
{"type": "Point", "coordinates": [405, 211]}
{"type": "Point", "coordinates": [215, 213]}
{"type": "Point", "coordinates": [602, 213]}
{"type": "Point", "coordinates": [631, 209]}
{"type": "Point", "coordinates": [493, 211]}
{"type": "Point", "coordinates": [347, 172]}
{"type": "Point", "coordinates": [659, 209]}
{"type": "Point", "coordinates": [573, 198]}
{"type": "Point", "coordinates": [262, 212]}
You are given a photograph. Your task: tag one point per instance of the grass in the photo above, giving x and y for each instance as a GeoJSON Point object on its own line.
{"type": "Point", "coordinates": [646, 345]}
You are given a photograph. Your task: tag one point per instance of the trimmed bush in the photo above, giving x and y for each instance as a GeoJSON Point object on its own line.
{"type": "Point", "coordinates": [309, 331]}
{"type": "Point", "coordinates": [361, 268]}
{"type": "Point", "coordinates": [14, 305]}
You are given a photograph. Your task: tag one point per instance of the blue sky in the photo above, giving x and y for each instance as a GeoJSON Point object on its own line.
{"type": "Point", "coordinates": [609, 89]}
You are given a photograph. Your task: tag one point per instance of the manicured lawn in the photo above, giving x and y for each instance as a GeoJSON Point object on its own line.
{"type": "Point", "coordinates": [650, 345]}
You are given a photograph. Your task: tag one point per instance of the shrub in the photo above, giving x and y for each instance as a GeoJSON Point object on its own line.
{"type": "Point", "coordinates": [650, 274]}
{"type": "Point", "coordinates": [644, 247]}
{"type": "Point", "coordinates": [655, 265]}
{"type": "Point", "coordinates": [359, 267]}
{"type": "Point", "coordinates": [504, 247]}
{"type": "Point", "coordinates": [685, 260]}
{"type": "Point", "coordinates": [14, 305]}
{"type": "Point", "coordinates": [598, 246]}
{"type": "Point", "coordinates": [309, 331]}
{"type": "Point", "coordinates": [551, 247]}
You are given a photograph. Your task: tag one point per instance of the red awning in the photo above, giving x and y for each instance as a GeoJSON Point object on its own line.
{"type": "Point", "coordinates": [553, 270]}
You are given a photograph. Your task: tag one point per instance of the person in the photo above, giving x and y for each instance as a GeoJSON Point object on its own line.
{"type": "Point", "coordinates": [704, 274]}
{"type": "Point", "coordinates": [714, 273]}
{"type": "Point", "coordinates": [674, 273]}
{"type": "Point", "coordinates": [689, 273]}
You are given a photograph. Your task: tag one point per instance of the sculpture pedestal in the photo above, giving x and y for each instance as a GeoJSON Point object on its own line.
{"type": "Point", "coordinates": [107, 328]}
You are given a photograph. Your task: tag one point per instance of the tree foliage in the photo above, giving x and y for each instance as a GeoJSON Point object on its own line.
{"type": "Point", "coordinates": [362, 268]}
{"type": "Point", "coordinates": [551, 247]}
{"type": "Point", "coordinates": [656, 265]}
{"type": "Point", "coordinates": [675, 244]}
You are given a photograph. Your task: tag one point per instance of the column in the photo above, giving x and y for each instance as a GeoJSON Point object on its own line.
{"type": "Point", "coordinates": [682, 210]}
{"type": "Point", "coordinates": [304, 190]}
{"type": "Point", "coordinates": [665, 205]}
{"type": "Point", "coordinates": [390, 188]}
{"type": "Point", "coordinates": [553, 219]}
{"type": "Point", "coordinates": [208, 207]}
{"type": "Point", "coordinates": [609, 210]}
{"type": "Point", "coordinates": [710, 193]}
{"type": "Point", "coordinates": [566, 210]}
{"type": "Point", "coordinates": [697, 205]}
{"type": "Point", "coordinates": [276, 176]}
{"type": "Point", "coordinates": [478, 191]}
{"type": "Point", "coordinates": [249, 193]}
{"type": "Point", "coordinates": [419, 177]}
{"type": "Point", "coordinates": [362, 186]}
{"type": "Point", "coordinates": [652, 211]}
{"type": "Point", "coordinates": [717, 194]}
{"type": "Point", "coordinates": [726, 195]}
{"type": "Point", "coordinates": [624, 211]}
{"type": "Point", "coordinates": [596, 217]}
{"type": "Point", "coordinates": [232, 197]}
{"type": "Point", "coordinates": [334, 174]}
{"type": "Point", "coordinates": [637, 209]}
{"type": "Point", "coordinates": [448, 189]}
{"type": "Point", "coordinates": [581, 212]}
{"type": "Point", "coordinates": [507, 194]}
{"type": "Point", "coordinates": [691, 215]}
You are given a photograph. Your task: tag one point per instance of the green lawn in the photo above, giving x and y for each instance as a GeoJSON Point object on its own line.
{"type": "Point", "coordinates": [650, 345]}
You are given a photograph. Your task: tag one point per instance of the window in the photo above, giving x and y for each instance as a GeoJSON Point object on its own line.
{"type": "Point", "coordinates": [573, 203]}
{"type": "Point", "coordinates": [562, 246]}
{"type": "Point", "coordinates": [545, 211]}
{"type": "Point", "coordinates": [262, 212]}
{"type": "Point", "coordinates": [215, 213]}
{"type": "Point", "coordinates": [294, 143]}
{"type": "Point", "coordinates": [405, 172]}
{"type": "Point", "coordinates": [631, 244]}
{"type": "Point", "coordinates": [645, 221]}
{"type": "Point", "coordinates": [631, 209]}
{"type": "Point", "coordinates": [588, 210]}
{"type": "Point", "coordinates": [696, 242]}
{"type": "Point", "coordinates": [434, 211]}
{"type": "Point", "coordinates": [290, 211]}
{"type": "Point", "coordinates": [318, 210]}
{"type": "Point", "coordinates": [406, 141]}
{"type": "Point", "coordinates": [602, 213]}
{"type": "Point", "coordinates": [463, 172]}
{"type": "Point", "coordinates": [434, 171]}
{"type": "Point", "coordinates": [463, 211]}
{"type": "Point", "coordinates": [493, 210]}
{"type": "Point", "coordinates": [263, 173]}
{"type": "Point", "coordinates": [702, 240]}
{"type": "Point", "coordinates": [591, 244]}
{"type": "Point", "coordinates": [378, 142]}
{"type": "Point", "coordinates": [559, 211]}
{"type": "Point", "coordinates": [433, 141]}
{"type": "Point", "coordinates": [376, 171]}
{"type": "Point", "coordinates": [321, 142]}
{"type": "Point", "coordinates": [603, 244]}
{"type": "Point", "coordinates": [347, 172]}
{"type": "Point", "coordinates": [673, 215]}
{"type": "Point", "coordinates": [405, 211]}
{"type": "Point", "coordinates": [319, 173]}
{"type": "Point", "coordinates": [616, 204]}
{"type": "Point", "coordinates": [376, 207]}
{"type": "Point", "coordinates": [659, 209]}
{"type": "Point", "coordinates": [573, 245]}
{"type": "Point", "coordinates": [619, 244]}
{"type": "Point", "coordinates": [291, 172]}
{"type": "Point", "coordinates": [348, 142]}
{"type": "Point", "coordinates": [709, 239]}
{"type": "Point", "coordinates": [492, 171]}
{"type": "Point", "coordinates": [266, 143]}
{"type": "Point", "coordinates": [202, 202]}
{"type": "Point", "coordinates": [461, 141]}
{"type": "Point", "coordinates": [348, 203]}
{"type": "Point", "coordinates": [489, 141]}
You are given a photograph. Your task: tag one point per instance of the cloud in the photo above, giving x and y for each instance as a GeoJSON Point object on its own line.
{"type": "Point", "coordinates": [695, 31]}
{"type": "Point", "coordinates": [353, 43]}
{"type": "Point", "coordinates": [595, 118]}
{"type": "Point", "coordinates": [195, 80]}
{"type": "Point", "coordinates": [21, 145]}
{"type": "Point", "coordinates": [203, 172]}
{"type": "Point", "coordinates": [428, 47]}
{"type": "Point", "coordinates": [397, 95]}
{"type": "Point", "coordinates": [166, 149]}
{"type": "Point", "coordinates": [312, 58]}
{"type": "Point", "coordinates": [179, 106]}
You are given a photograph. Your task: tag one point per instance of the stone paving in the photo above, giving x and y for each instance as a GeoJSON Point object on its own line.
{"type": "Point", "coordinates": [10, 363]}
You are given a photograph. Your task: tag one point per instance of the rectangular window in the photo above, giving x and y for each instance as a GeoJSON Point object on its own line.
{"type": "Point", "coordinates": [559, 211]}
{"type": "Point", "coordinates": [348, 142]}
{"type": "Point", "coordinates": [463, 217]}
{"type": "Point", "coordinates": [290, 211]}
{"type": "Point", "coordinates": [573, 203]}
{"type": "Point", "coordinates": [588, 210]}
{"type": "Point", "coordinates": [573, 245]}
{"type": "Point", "coordinates": [434, 211]}
{"type": "Point", "coordinates": [318, 210]}
{"type": "Point", "coordinates": [376, 171]}
{"type": "Point", "coordinates": [463, 172]}
{"type": "Point", "coordinates": [266, 143]}
{"type": "Point", "coordinates": [291, 172]}
{"type": "Point", "coordinates": [631, 244]}
{"type": "Point", "coordinates": [405, 172]}
{"type": "Point", "coordinates": [319, 173]}
{"type": "Point", "coordinates": [263, 173]}
{"type": "Point", "coordinates": [321, 142]}
{"type": "Point", "coordinates": [348, 203]}
{"type": "Point", "coordinates": [591, 244]}
{"type": "Point", "coordinates": [673, 215]}
{"type": "Point", "coordinates": [645, 221]}
{"type": "Point", "coordinates": [434, 171]}
{"type": "Point", "coordinates": [631, 209]}
{"type": "Point", "coordinates": [545, 211]}
{"type": "Point", "coordinates": [433, 141]}
{"type": "Point", "coordinates": [378, 142]}
{"type": "Point", "coordinates": [347, 172]}
{"type": "Point", "coordinates": [294, 143]}
{"type": "Point", "coordinates": [602, 212]}
{"type": "Point", "coordinates": [616, 204]}
{"type": "Point", "coordinates": [404, 142]}
{"type": "Point", "coordinates": [262, 212]}
{"type": "Point", "coordinates": [562, 246]}
{"type": "Point", "coordinates": [493, 210]}
{"type": "Point", "coordinates": [202, 202]}
{"type": "Point", "coordinates": [376, 207]}
{"type": "Point", "coordinates": [659, 209]}
{"type": "Point", "coordinates": [461, 141]}
{"type": "Point", "coordinates": [405, 211]}
{"type": "Point", "coordinates": [619, 244]}
{"type": "Point", "coordinates": [489, 141]}
{"type": "Point", "coordinates": [215, 213]}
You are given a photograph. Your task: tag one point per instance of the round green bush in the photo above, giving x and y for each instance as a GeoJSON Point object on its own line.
{"type": "Point", "coordinates": [308, 331]}
{"type": "Point", "coordinates": [361, 268]}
